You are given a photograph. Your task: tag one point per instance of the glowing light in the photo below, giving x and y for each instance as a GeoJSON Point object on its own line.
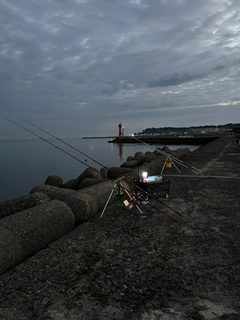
{"type": "Point", "coordinates": [144, 175]}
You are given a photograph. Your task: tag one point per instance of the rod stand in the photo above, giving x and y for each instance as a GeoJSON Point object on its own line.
{"type": "Point", "coordinates": [116, 184]}
{"type": "Point", "coordinates": [169, 159]}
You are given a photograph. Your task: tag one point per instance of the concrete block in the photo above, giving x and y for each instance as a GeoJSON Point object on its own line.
{"type": "Point", "coordinates": [84, 203]}
{"type": "Point", "coordinates": [82, 206]}
{"type": "Point", "coordinates": [24, 233]}
{"type": "Point", "coordinates": [22, 203]}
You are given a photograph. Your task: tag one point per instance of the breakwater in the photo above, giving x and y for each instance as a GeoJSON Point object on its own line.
{"type": "Point", "coordinates": [166, 140]}
{"type": "Point", "coordinates": [129, 265]}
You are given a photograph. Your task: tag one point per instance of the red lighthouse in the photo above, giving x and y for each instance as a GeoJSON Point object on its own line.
{"type": "Point", "coordinates": [120, 130]}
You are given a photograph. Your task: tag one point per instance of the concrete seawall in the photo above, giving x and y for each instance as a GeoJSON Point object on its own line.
{"type": "Point", "coordinates": [166, 140]}
{"type": "Point", "coordinates": [129, 265]}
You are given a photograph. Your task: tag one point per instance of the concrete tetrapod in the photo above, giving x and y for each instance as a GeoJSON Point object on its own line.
{"type": "Point", "coordinates": [24, 233]}
{"type": "Point", "coordinates": [83, 203]}
{"type": "Point", "coordinates": [22, 203]}
{"type": "Point", "coordinates": [101, 191]}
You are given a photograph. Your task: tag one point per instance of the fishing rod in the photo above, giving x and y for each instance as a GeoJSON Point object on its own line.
{"type": "Point", "coordinates": [52, 135]}
{"type": "Point", "coordinates": [180, 162]}
{"type": "Point", "coordinates": [147, 144]}
{"type": "Point", "coordinates": [54, 145]}
{"type": "Point", "coordinates": [129, 182]}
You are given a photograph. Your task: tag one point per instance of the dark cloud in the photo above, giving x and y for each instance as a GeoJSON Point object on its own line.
{"type": "Point", "coordinates": [174, 80]}
{"type": "Point", "coordinates": [136, 61]}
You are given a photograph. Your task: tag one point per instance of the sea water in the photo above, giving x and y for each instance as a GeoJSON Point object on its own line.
{"type": "Point", "coordinates": [25, 163]}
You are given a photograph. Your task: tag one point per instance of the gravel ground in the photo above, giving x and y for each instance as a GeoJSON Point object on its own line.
{"type": "Point", "coordinates": [132, 265]}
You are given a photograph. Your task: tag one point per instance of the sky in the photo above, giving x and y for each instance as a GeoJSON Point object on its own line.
{"type": "Point", "coordinates": [81, 67]}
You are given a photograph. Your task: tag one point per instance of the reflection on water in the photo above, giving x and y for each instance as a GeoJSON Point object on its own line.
{"type": "Point", "coordinates": [122, 151]}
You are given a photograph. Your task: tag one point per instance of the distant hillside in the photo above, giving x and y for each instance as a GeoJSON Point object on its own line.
{"type": "Point", "coordinates": [191, 130]}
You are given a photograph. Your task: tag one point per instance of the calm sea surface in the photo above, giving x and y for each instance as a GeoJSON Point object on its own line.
{"type": "Point", "coordinates": [28, 162]}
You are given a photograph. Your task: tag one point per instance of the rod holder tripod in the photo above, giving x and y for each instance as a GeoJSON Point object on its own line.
{"type": "Point", "coordinates": [170, 161]}
{"type": "Point", "coordinates": [173, 159]}
{"type": "Point", "coordinates": [118, 184]}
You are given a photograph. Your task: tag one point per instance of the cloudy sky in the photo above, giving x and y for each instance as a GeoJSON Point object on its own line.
{"type": "Point", "coordinates": [79, 67]}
